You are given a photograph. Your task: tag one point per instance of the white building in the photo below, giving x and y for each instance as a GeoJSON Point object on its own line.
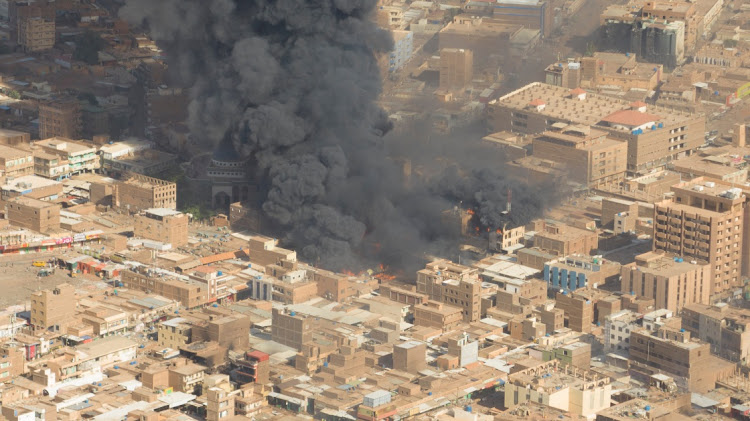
{"type": "Point", "coordinates": [403, 48]}
{"type": "Point", "coordinates": [617, 328]}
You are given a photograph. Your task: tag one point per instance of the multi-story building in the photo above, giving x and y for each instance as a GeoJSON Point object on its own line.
{"type": "Point", "coordinates": [52, 309]}
{"type": "Point", "coordinates": [80, 157]}
{"type": "Point", "coordinates": [579, 271]}
{"type": "Point", "coordinates": [31, 186]}
{"type": "Point", "coordinates": [671, 282]}
{"type": "Point", "coordinates": [174, 333]}
{"type": "Point", "coordinates": [14, 138]}
{"type": "Point", "coordinates": [456, 68]}
{"type": "Point", "coordinates": [37, 215]}
{"type": "Point", "coordinates": [255, 368]}
{"type": "Point", "coordinates": [589, 155]}
{"type": "Point", "coordinates": [140, 192]}
{"type": "Point", "coordinates": [705, 221]}
{"type": "Point", "coordinates": [403, 47]}
{"type": "Point", "coordinates": [165, 225]}
{"type": "Point", "coordinates": [654, 135]}
{"type": "Point", "coordinates": [106, 321]}
{"type": "Point", "coordinates": [219, 404]}
{"type": "Point", "coordinates": [671, 350]}
{"type": "Point", "coordinates": [536, 14]}
{"type": "Point", "coordinates": [605, 70]}
{"type": "Point", "coordinates": [726, 329]}
{"type": "Point", "coordinates": [50, 165]}
{"type": "Point", "coordinates": [13, 364]}
{"type": "Point", "coordinates": [36, 33]}
{"type": "Point", "coordinates": [577, 391]}
{"type": "Point", "coordinates": [15, 163]}
{"type": "Point", "coordinates": [579, 311]}
{"type": "Point", "coordinates": [60, 118]}
{"type": "Point", "coordinates": [452, 284]}
{"type": "Point", "coordinates": [409, 357]}
{"type": "Point", "coordinates": [617, 328]}
{"type": "Point", "coordinates": [437, 315]}
{"type": "Point", "coordinates": [169, 285]}
{"type": "Point", "coordinates": [560, 239]}
{"type": "Point", "coordinates": [291, 329]}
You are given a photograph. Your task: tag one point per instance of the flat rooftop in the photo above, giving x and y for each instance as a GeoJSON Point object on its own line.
{"type": "Point", "coordinates": [558, 103]}
{"type": "Point", "coordinates": [28, 182]}
{"type": "Point", "coordinates": [662, 265]}
{"type": "Point", "coordinates": [67, 145]}
{"type": "Point", "coordinates": [8, 152]}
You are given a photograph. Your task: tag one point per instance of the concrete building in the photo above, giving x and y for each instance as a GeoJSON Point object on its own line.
{"type": "Point", "coordinates": [726, 329]}
{"type": "Point", "coordinates": [80, 157]}
{"type": "Point", "coordinates": [617, 328]}
{"type": "Point", "coordinates": [559, 239]}
{"type": "Point", "coordinates": [589, 155]}
{"type": "Point", "coordinates": [164, 225]}
{"type": "Point", "coordinates": [534, 14]}
{"type": "Point", "coordinates": [579, 271]}
{"type": "Point", "coordinates": [52, 309]}
{"type": "Point", "coordinates": [31, 186]}
{"type": "Point", "coordinates": [437, 315]}
{"type": "Point", "coordinates": [169, 285]}
{"type": "Point", "coordinates": [140, 192]}
{"type": "Point", "coordinates": [579, 311]}
{"type": "Point", "coordinates": [705, 221]}
{"type": "Point", "coordinates": [568, 389]}
{"type": "Point", "coordinates": [15, 163]}
{"type": "Point", "coordinates": [452, 284]}
{"type": "Point", "coordinates": [36, 33]}
{"type": "Point", "coordinates": [106, 321]}
{"type": "Point", "coordinates": [291, 329]}
{"type": "Point", "coordinates": [456, 68]}
{"type": "Point", "coordinates": [14, 138]}
{"type": "Point", "coordinates": [219, 404]}
{"type": "Point", "coordinates": [654, 137]}
{"type": "Point", "coordinates": [605, 71]}
{"type": "Point", "coordinates": [33, 214]}
{"type": "Point", "coordinates": [671, 350]}
{"type": "Point", "coordinates": [410, 357]}
{"type": "Point", "coordinates": [255, 368]}
{"type": "Point", "coordinates": [60, 118]}
{"type": "Point", "coordinates": [403, 48]}
{"type": "Point", "coordinates": [671, 282]}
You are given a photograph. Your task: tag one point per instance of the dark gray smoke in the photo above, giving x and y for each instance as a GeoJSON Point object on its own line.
{"type": "Point", "coordinates": [292, 83]}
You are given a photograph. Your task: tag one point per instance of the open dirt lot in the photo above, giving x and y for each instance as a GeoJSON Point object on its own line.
{"type": "Point", "coordinates": [18, 278]}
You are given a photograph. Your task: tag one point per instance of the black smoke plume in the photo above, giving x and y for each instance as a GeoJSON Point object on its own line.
{"type": "Point", "coordinates": [292, 83]}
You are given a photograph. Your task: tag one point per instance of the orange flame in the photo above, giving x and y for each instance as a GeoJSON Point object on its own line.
{"type": "Point", "coordinates": [470, 211]}
{"type": "Point", "coordinates": [499, 231]}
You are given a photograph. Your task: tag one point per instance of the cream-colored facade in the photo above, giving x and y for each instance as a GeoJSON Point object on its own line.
{"type": "Point", "coordinates": [705, 221]}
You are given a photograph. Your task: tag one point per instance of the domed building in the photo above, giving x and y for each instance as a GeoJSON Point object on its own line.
{"type": "Point", "coordinates": [230, 175]}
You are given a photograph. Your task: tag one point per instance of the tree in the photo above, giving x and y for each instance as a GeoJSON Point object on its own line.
{"type": "Point", "coordinates": [88, 46]}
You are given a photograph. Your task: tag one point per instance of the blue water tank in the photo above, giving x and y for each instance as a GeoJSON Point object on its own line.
{"type": "Point", "coordinates": [647, 408]}
{"type": "Point", "coordinates": [682, 330]}
{"type": "Point", "coordinates": [117, 367]}
{"type": "Point", "coordinates": [429, 393]}
{"type": "Point", "coordinates": [468, 408]}
{"type": "Point", "coordinates": [176, 312]}
{"type": "Point", "coordinates": [293, 313]}
{"type": "Point", "coordinates": [219, 273]}
{"type": "Point", "coordinates": [661, 125]}
{"type": "Point", "coordinates": [325, 363]}
{"type": "Point", "coordinates": [215, 305]}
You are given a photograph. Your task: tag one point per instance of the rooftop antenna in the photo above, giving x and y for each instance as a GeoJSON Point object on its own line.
{"type": "Point", "coordinates": [507, 208]}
